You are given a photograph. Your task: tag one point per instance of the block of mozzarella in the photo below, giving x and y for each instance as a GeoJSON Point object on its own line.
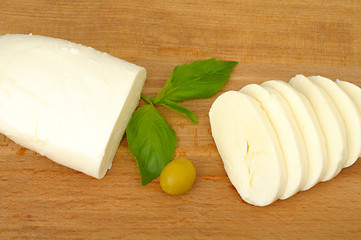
{"type": "Point", "coordinates": [288, 134]}
{"type": "Point", "coordinates": [353, 91]}
{"type": "Point", "coordinates": [310, 130]}
{"type": "Point", "coordinates": [330, 121]}
{"type": "Point", "coordinates": [349, 113]}
{"type": "Point", "coordinates": [248, 147]}
{"type": "Point", "coordinates": [68, 102]}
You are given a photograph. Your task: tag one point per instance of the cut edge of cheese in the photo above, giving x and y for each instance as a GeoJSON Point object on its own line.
{"type": "Point", "coordinates": [309, 127]}
{"type": "Point", "coordinates": [288, 135]}
{"type": "Point", "coordinates": [117, 134]}
{"type": "Point", "coordinates": [353, 91]}
{"type": "Point", "coordinates": [253, 162]}
{"type": "Point", "coordinates": [330, 121]}
{"type": "Point", "coordinates": [349, 114]}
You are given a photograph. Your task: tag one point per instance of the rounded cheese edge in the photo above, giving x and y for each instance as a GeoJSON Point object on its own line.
{"type": "Point", "coordinates": [248, 147]}
{"type": "Point", "coordinates": [310, 130]}
{"type": "Point", "coordinates": [288, 134]}
{"type": "Point", "coordinates": [331, 124]}
{"type": "Point", "coordinates": [353, 91]}
{"type": "Point", "coordinates": [349, 114]}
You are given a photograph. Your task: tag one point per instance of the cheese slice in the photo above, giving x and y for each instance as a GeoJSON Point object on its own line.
{"type": "Point", "coordinates": [353, 91]}
{"type": "Point", "coordinates": [330, 121]}
{"type": "Point", "coordinates": [66, 101]}
{"type": "Point", "coordinates": [248, 147]}
{"type": "Point", "coordinates": [310, 130]}
{"type": "Point", "coordinates": [349, 114]}
{"type": "Point", "coordinates": [288, 134]}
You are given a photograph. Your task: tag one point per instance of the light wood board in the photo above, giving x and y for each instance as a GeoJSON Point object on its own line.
{"type": "Point", "coordinates": [40, 199]}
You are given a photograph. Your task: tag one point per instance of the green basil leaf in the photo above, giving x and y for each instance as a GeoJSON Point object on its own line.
{"type": "Point", "coordinates": [180, 109]}
{"type": "Point", "coordinates": [199, 79]}
{"type": "Point", "coordinates": [151, 140]}
{"type": "Point", "coordinates": [149, 100]}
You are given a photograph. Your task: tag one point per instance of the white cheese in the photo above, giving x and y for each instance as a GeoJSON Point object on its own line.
{"type": "Point", "coordinates": [349, 114]}
{"type": "Point", "coordinates": [310, 130]}
{"type": "Point", "coordinates": [249, 148]}
{"type": "Point", "coordinates": [330, 121]}
{"type": "Point", "coordinates": [288, 134]}
{"type": "Point", "coordinates": [353, 91]}
{"type": "Point", "coordinates": [66, 101]}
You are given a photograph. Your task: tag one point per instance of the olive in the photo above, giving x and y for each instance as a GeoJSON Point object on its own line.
{"type": "Point", "coordinates": [178, 176]}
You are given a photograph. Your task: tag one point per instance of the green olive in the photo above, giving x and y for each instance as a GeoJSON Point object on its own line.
{"type": "Point", "coordinates": [178, 176]}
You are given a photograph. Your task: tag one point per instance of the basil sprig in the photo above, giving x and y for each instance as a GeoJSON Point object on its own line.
{"type": "Point", "coordinates": [151, 139]}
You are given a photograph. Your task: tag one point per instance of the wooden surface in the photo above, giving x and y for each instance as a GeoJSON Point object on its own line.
{"type": "Point", "coordinates": [271, 40]}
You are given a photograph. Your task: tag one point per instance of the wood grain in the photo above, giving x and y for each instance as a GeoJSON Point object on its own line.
{"type": "Point", "coordinates": [271, 39]}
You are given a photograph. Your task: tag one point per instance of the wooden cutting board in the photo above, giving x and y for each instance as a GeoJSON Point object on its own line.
{"type": "Point", "coordinates": [40, 199]}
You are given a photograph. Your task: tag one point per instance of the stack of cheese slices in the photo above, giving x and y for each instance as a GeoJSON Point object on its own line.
{"type": "Point", "coordinates": [278, 138]}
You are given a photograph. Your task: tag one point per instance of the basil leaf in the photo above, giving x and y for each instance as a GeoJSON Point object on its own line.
{"type": "Point", "coordinates": [149, 100]}
{"type": "Point", "coordinates": [199, 79]}
{"type": "Point", "coordinates": [180, 109]}
{"type": "Point", "coordinates": [151, 140]}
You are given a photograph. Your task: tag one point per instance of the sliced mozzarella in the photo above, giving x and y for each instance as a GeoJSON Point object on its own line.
{"type": "Point", "coordinates": [310, 130]}
{"type": "Point", "coordinates": [249, 148]}
{"type": "Point", "coordinates": [349, 114]}
{"type": "Point", "coordinates": [66, 101]}
{"type": "Point", "coordinates": [288, 134]}
{"type": "Point", "coordinates": [353, 91]}
{"type": "Point", "coordinates": [330, 121]}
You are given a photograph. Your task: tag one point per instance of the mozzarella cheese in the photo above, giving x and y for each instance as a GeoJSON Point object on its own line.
{"type": "Point", "coordinates": [288, 134]}
{"type": "Point", "coordinates": [301, 133]}
{"type": "Point", "coordinates": [331, 123]}
{"type": "Point", "coordinates": [353, 91]}
{"type": "Point", "coordinates": [349, 113]}
{"type": "Point", "coordinates": [66, 101]}
{"type": "Point", "coordinates": [310, 130]}
{"type": "Point", "coordinates": [249, 148]}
